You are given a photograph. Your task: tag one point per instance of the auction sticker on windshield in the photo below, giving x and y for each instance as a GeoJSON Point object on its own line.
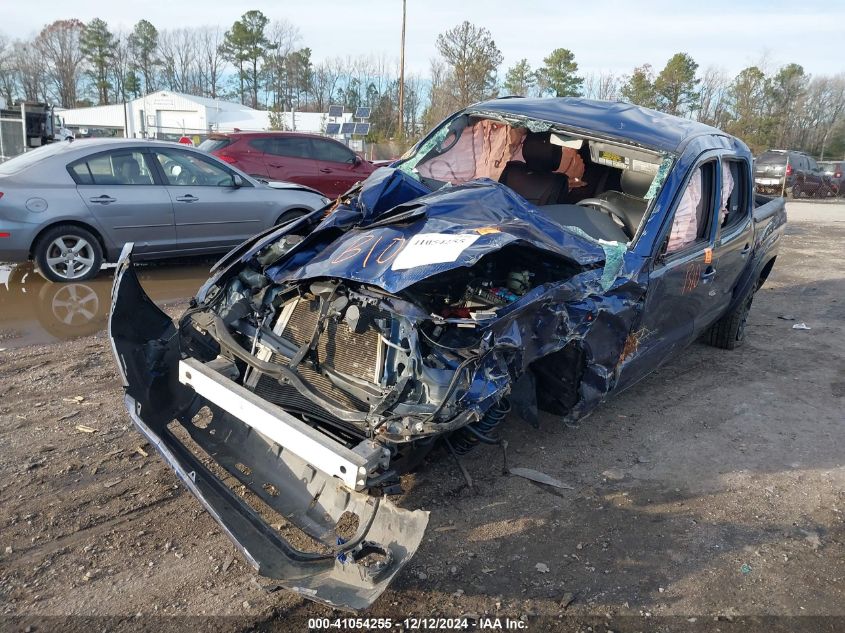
{"type": "Point", "coordinates": [432, 248]}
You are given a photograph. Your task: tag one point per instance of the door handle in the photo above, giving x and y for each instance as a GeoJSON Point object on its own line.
{"type": "Point", "coordinates": [187, 198]}
{"type": "Point", "coordinates": [745, 250]}
{"type": "Point", "coordinates": [708, 273]}
{"type": "Point", "coordinates": [276, 165]}
{"type": "Point", "coordinates": [104, 199]}
{"type": "Point", "coordinates": [326, 170]}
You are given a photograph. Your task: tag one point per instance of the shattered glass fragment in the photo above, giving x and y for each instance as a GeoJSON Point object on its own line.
{"type": "Point", "coordinates": [662, 172]}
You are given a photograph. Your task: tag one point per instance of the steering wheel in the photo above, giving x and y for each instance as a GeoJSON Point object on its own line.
{"type": "Point", "coordinates": [188, 178]}
{"type": "Point", "coordinates": [608, 207]}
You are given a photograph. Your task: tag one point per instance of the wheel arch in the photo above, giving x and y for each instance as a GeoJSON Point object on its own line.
{"type": "Point", "coordinates": [764, 272]}
{"type": "Point", "coordinates": [82, 225]}
{"type": "Point", "coordinates": [300, 209]}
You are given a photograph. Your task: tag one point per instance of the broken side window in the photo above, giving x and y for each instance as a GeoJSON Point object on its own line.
{"type": "Point", "coordinates": [735, 190]}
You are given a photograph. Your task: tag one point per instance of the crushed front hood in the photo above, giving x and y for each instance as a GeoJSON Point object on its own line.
{"type": "Point", "coordinates": [402, 236]}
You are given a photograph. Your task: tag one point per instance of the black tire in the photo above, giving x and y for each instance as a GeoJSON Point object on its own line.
{"type": "Point", "coordinates": [729, 331]}
{"type": "Point", "coordinates": [824, 191]}
{"type": "Point", "coordinates": [291, 215]}
{"type": "Point", "coordinates": [56, 259]}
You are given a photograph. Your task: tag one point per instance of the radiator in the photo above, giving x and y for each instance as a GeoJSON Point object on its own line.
{"type": "Point", "coordinates": [339, 348]}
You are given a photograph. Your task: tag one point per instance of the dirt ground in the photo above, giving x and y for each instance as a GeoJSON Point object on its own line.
{"type": "Point", "coordinates": [710, 494]}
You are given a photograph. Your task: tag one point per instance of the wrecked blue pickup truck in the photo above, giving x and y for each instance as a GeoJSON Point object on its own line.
{"type": "Point", "coordinates": [527, 254]}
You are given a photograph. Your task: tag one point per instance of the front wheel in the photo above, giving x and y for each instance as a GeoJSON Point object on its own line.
{"type": "Point", "coordinates": [68, 253]}
{"type": "Point", "coordinates": [729, 331]}
{"type": "Point", "coordinates": [290, 216]}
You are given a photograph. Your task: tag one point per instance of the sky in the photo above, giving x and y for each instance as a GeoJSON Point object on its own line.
{"type": "Point", "coordinates": [604, 35]}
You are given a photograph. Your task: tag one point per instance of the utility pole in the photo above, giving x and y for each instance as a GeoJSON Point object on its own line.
{"type": "Point", "coordinates": [402, 77]}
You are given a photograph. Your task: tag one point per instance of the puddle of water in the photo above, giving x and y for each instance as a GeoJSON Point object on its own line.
{"type": "Point", "coordinates": [34, 311]}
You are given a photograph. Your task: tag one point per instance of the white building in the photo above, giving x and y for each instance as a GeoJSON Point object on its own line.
{"type": "Point", "coordinates": [169, 115]}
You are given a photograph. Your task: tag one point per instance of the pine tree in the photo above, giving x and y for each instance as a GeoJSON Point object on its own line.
{"type": "Point", "coordinates": [473, 59]}
{"type": "Point", "coordinates": [143, 43]}
{"type": "Point", "coordinates": [557, 76]}
{"type": "Point", "coordinates": [639, 87]}
{"type": "Point", "coordinates": [675, 86]}
{"type": "Point", "coordinates": [245, 45]}
{"type": "Point", "coordinates": [520, 79]}
{"type": "Point", "coordinates": [98, 44]}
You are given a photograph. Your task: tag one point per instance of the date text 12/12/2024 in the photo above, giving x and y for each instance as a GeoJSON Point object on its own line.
{"type": "Point", "coordinates": [416, 624]}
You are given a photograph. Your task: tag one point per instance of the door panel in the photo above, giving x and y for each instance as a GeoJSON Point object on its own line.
{"type": "Point", "coordinates": [337, 165]}
{"type": "Point", "coordinates": [119, 189]}
{"type": "Point", "coordinates": [680, 300]}
{"type": "Point", "coordinates": [249, 157]}
{"type": "Point", "coordinates": [733, 244]}
{"type": "Point", "coordinates": [678, 296]}
{"type": "Point", "coordinates": [210, 213]}
{"type": "Point", "coordinates": [288, 169]}
{"type": "Point", "coordinates": [288, 158]}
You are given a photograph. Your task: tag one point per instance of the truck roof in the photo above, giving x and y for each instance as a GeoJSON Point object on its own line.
{"type": "Point", "coordinates": [643, 126]}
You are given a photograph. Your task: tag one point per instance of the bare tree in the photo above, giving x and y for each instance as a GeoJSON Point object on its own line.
{"type": "Point", "coordinates": [604, 86]}
{"type": "Point", "coordinates": [414, 96]}
{"type": "Point", "coordinates": [30, 71]}
{"type": "Point", "coordinates": [58, 44]}
{"type": "Point", "coordinates": [177, 50]}
{"type": "Point", "coordinates": [609, 85]}
{"type": "Point", "coordinates": [711, 107]}
{"type": "Point", "coordinates": [441, 99]}
{"type": "Point", "coordinates": [279, 70]}
{"type": "Point", "coordinates": [324, 82]}
{"type": "Point", "coordinates": [823, 107]}
{"type": "Point", "coordinates": [8, 80]}
{"type": "Point", "coordinates": [121, 67]}
{"type": "Point", "coordinates": [210, 62]}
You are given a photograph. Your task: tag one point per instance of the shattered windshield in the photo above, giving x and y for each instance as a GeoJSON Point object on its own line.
{"type": "Point", "coordinates": [601, 187]}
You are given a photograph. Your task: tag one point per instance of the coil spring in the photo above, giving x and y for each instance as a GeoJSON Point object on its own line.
{"type": "Point", "coordinates": [467, 438]}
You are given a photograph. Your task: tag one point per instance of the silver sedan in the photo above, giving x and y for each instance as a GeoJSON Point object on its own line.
{"type": "Point", "coordinates": [71, 206]}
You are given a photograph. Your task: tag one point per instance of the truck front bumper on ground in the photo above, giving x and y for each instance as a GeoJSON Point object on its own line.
{"type": "Point", "coordinates": [258, 470]}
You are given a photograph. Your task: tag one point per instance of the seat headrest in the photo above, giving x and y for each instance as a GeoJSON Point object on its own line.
{"type": "Point", "coordinates": [635, 183]}
{"type": "Point", "coordinates": [539, 153]}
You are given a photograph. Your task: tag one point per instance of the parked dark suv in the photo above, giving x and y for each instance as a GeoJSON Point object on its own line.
{"type": "Point", "coordinates": [308, 159]}
{"type": "Point", "coordinates": [802, 173]}
{"type": "Point", "coordinates": [835, 171]}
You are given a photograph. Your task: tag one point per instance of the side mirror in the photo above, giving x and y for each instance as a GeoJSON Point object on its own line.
{"type": "Point", "coordinates": [356, 161]}
{"type": "Point", "coordinates": [237, 181]}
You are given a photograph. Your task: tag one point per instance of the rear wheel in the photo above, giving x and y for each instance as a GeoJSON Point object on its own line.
{"type": "Point", "coordinates": [825, 190]}
{"type": "Point", "coordinates": [68, 253]}
{"type": "Point", "coordinates": [729, 331]}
